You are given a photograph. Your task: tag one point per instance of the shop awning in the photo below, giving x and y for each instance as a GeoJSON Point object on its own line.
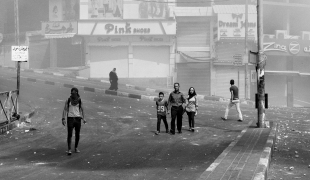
{"type": "Point", "coordinates": [236, 9]}
{"type": "Point", "coordinates": [194, 57]}
{"type": "Point", "coordinates": [287, 73]}
{"type": "Point", "coordinates": [59, 36]}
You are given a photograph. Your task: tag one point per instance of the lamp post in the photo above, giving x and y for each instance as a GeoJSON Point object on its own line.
{"type": "Point", "coordinates": [16, 15]}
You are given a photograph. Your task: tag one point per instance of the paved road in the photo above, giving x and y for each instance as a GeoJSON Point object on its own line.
{"type": "Point", "coordinates": [118, 142]}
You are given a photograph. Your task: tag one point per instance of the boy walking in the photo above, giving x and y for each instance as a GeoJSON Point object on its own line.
{"type": "Point", "coordinates": [234, 101]}
{"type": "Point", "coordinates": [162, 107]}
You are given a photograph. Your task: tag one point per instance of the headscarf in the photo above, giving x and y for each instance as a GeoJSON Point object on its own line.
{"type": "Point", "coordinates": [75, 99]}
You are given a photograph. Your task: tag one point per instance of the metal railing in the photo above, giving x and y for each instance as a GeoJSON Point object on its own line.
{"type": "Point", "coordinates": [8, 107]}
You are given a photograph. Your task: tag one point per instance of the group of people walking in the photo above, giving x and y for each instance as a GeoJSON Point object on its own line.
{"type": "Point", "coordinates": [177, 104]}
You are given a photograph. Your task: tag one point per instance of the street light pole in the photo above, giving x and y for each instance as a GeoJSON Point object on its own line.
{"type": "Point", "coordinates": [246, 49]}
{"type": "Point", "coordinates": [260, 67]}
{"type": "Point", "coordinates": [17, 41]}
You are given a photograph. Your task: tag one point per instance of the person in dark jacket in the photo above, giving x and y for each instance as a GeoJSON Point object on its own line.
{"type": "Point", "coordinates": [113, 80]}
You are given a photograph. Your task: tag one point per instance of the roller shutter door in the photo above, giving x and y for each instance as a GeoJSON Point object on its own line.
{"type": "Point", "coordinates": [195, 75]}
{"type": "Point", "coordinates": [223, 76]}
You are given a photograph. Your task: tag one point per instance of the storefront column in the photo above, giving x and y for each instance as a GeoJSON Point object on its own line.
{"type": "Point", "coordinates": [290, 82]}
{"type": "Point", "coordinates": [53, 53]}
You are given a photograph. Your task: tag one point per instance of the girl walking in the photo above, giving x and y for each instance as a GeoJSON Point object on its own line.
{"type": "Point", "coordinates": [191, 108]}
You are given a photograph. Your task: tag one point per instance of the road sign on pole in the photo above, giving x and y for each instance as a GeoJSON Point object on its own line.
{"type": "Point", "coordinates": [20, 53]}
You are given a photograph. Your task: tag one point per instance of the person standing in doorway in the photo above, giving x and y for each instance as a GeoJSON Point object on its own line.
{"type": "Point", "coordinates": [191, 108]}
{"type": "Point", "coordinates": [176, 103]}
{"type": "Point", "coordinates": [74, 112]}
{"type": "Point", "coordinates": [113, 80]}
{"type": "Point", "coordinates": [234, 101]}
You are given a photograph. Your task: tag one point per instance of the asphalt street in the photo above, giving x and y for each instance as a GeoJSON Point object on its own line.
{"type": "Point", "coordinates": [118, 141]}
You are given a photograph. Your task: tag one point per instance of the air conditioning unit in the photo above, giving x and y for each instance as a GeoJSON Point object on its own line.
{"type": "Point", "coordinates": [305, 35]}
{"type": "Point", "coordinates": [281, 34]}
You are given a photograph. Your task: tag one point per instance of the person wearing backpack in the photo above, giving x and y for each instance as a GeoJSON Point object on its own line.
{"type": "Point", "coordinates": [191, 108]}
{"type": "Point", "coordinates": [74, 112]}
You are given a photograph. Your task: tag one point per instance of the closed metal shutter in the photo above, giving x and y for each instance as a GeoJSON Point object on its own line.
{"type": "Point", "coordinates": [150, 61]}
{"type": "Point", "coordinates": [223, 76]}
{"type": "Point", "coordinates": [105, 58]}
{"type": "Point", "coordinates": [193, 34]}
{"type": "Point", "coordinates": [195, 75]}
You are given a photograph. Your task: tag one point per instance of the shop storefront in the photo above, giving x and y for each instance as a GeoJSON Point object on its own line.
{"type": "Point", "coordinates": [287, 71]}
{"type": "Point", "coordinates": [66, 49]}
{"type": "Point", "coordinates": [137, 49]}
{"type": "Point", "coordinates": [230, 49]}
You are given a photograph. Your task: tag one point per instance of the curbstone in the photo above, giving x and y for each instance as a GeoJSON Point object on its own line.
{"type": "Point", "coordinates": [114, 93]}
{"type": "Point", "coordinates": [58, 74]}
{"type": "Point", "coordinates": [265, 159]}
{"type": "Point", "coordinates": [68, 85]}
{"type": "Point", "coordinates": [89, 89]}
{"type": "Point", "coordinates": [31, 80]}
{"type": "Point", "coordinates": [49, 82]}
{"type": "Point", "coordinates": [134, 96]}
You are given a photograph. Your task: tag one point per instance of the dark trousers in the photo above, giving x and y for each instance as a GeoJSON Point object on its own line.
{"type": "Point", "coordinates": [73, 123]}
{"type": "Point", "coordinates": [191, 120]}
{"type": "Point", "coordinates": [114, 85]}
{"type": "Point", "coordinates": [159, 118]}
{"type": "Point", "coordinates": [176, 113]}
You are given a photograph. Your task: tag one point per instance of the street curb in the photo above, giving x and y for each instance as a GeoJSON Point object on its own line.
{"type": "Point", "coordinates": [199, 97]}
{"type": "Point", "coordinates": [264, 162]}
{"type": "Point", "coordinates": [9, 126]}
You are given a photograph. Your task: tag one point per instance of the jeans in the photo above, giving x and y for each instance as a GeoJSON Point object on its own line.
{"type": "Point", "coordinates": [159, 118]}
{"type": "Point", "coordinates": [191, 120]}
{"type": "Point", "coordinates": [176, 113]}
{"type": "Point", "coordinates": [73, 123]}
{"type": "Point", "coordinates": [231, 104]}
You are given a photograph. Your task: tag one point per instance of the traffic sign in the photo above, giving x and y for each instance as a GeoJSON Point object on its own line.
{"type": "Point", "coordinates": [20, 53]}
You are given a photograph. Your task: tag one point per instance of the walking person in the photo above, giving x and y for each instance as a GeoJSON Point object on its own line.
{"type": "Point", "coordinates": [113, 80]}
{"type": "Point", "coordinates": [176, 103]}
{"type": "Point", "coordinates": [162, 108]}
{"type": "Point", "coordinates": [74, 112]}
{"type": "Point", "coordinates": [234, 101]}
{"type": "Point", "coordinates": [191, 108]}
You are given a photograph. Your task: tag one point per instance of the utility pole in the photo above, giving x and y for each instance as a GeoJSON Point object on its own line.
{"type": "Point", "coordinates": [16, 14]}
{"type": "Point", "coordinates": [260, 67]}
{"type": "Point", "coordinates": [246, 49]}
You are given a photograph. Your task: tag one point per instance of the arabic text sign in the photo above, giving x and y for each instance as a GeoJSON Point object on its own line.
{"type": "Point", "coordinates": [63, 27]}
{"type": "Point", "coordinates": [20, 53]}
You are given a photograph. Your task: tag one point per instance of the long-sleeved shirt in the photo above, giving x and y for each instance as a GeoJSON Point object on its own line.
{"type": "Point", "coordinates": [176, 99]}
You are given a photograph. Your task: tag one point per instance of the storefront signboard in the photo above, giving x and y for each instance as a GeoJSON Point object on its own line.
{"type": "Point", "coordinates": [286, 47]}
{"type": "Point", "coordinates": [125, 9]}
{"type": "Point", "coordinates": [60, 28]}
{"type": "Point", "coordinates": [127, 28]}
{"type": "Point", "coordinates": [232, 26]}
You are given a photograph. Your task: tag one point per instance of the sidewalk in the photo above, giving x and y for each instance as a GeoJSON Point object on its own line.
{"type": "Point", "coordinates": [246, 158]}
